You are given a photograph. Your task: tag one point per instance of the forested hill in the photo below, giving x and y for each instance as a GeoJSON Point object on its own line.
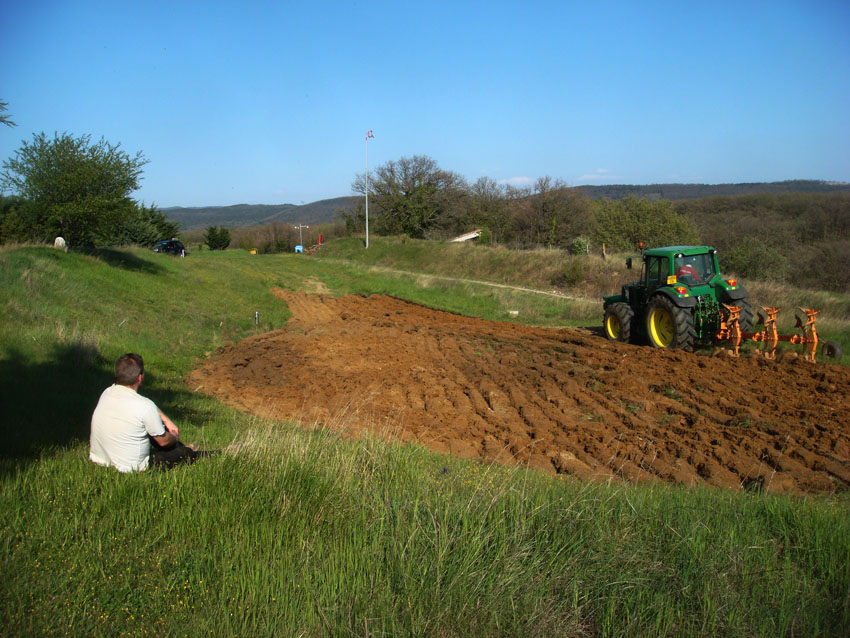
{"type": "Point", "coordinates": [325, 210]}
{"type": "Point", "coordinates": [654, 192]}
{"type": "Point", "coordinates": [328, 210]}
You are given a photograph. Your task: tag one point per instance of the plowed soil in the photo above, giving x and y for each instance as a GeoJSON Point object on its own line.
{"type": "Point", "coordinates": [559, 400]}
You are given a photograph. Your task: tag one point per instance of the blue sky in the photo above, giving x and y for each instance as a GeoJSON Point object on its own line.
{"type": "Point", "coordinates": [269, 102]}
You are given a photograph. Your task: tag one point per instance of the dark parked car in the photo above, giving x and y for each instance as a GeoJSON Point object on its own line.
{"type": "Point", "coordinates": [171, 246]}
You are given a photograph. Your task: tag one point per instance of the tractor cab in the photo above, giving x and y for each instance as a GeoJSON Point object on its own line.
{"type": "Point", "coordinates": [692, 266]}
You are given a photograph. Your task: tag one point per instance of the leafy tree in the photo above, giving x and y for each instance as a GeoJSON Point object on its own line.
{"type": "Point", "coordinates": [622, 225]}
{"type": "Point", "coordinates": [217, 238]}
{"type": "Point", "coordinates": [73, 187]}
{"type": "Point", "coordinates": [411, 195]}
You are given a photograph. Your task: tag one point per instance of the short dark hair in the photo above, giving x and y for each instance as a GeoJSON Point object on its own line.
{"type": "Point", "coordinates": [128, 368]}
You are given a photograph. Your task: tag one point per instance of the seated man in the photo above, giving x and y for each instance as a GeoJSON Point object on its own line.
{"type": "Point", "coordinates": [125, 425]}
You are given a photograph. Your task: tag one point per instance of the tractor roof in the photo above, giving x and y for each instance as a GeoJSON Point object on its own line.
{"type": "Point", "coordinates": [676, 250]}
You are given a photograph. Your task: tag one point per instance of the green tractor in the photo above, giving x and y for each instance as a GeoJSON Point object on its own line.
{"type": "Point", "coordinates": [676, 302]}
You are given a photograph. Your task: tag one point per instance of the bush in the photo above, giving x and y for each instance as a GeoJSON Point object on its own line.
{"type": "Point", "coordinates": [485, 238]}
{"type": "Point", "coordinates": [755, 259]}
{"type": "Point", "coordinates": [580, 246]}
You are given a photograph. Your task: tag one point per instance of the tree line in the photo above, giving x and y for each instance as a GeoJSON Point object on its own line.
{"type": "Point", "coordinates": [798, 237]}
{"type": "Point", "coordinates": [414, 196]}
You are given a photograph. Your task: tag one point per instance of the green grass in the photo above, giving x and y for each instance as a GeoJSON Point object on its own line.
{"type": "Point", "coordinates": [307, 533]}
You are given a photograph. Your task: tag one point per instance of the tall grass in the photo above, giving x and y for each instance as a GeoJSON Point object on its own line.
{"type": "Point", "coordinates": [307, 534]}
{"type": "Point", "coordinates": [577, 275]}
{"type": "Point", "coordinates": [302, 532]}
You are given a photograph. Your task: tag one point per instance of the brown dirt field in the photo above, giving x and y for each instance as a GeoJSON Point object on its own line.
{"type": "Point", "coordinates": [559, 400]}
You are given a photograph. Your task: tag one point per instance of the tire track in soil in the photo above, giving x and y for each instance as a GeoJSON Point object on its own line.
{"type": "Point", "coordinates": [559, 400]}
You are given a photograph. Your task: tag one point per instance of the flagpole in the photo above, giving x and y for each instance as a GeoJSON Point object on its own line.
{"type": "Point", "coordinates": [368, 133]}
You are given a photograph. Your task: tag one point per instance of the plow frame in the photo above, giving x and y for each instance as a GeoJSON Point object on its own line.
{"type": "Point", "coordinates": [806, 318]}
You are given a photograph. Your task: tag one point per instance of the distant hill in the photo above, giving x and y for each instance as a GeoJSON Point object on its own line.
{"type": "Point", "coordinates": [326, 210]}
{"type": "Point", "coordinates": [692, 191]}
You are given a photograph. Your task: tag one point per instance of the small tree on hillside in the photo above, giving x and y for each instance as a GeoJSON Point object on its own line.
{"type": "Point", "coordinates": [217, 238]}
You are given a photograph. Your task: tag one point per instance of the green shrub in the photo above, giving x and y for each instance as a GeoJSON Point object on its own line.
{"type": "Point", "coordinates": [580, 246]}
{"type": "Point", "coordinates": [485, 238]}
{"type": "Point", "coordinates": [753, 258]}
{"type": "Point", "coordinates": [217, 238]}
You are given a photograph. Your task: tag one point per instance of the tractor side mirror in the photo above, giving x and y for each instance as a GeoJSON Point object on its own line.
{"type": "Point", "coordinates": [629, 263]}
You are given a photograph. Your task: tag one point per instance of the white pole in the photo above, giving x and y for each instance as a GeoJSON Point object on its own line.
{"type": "Point", "coordinates": [367, 187]}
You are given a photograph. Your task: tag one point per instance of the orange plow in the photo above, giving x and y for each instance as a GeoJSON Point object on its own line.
{"type": "Point", "coordinates": [730, 331]}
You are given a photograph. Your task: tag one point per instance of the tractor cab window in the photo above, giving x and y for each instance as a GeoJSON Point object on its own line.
{"type": "Point", "coordinates": [656, 272]}
{"type": "Point", "coordinates": [694, 270]}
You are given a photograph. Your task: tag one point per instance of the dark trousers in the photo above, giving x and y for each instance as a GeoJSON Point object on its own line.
{"type": "Point", "coordinates": [171, 455]}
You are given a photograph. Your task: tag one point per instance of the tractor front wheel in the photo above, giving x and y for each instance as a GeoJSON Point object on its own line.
{"type": "Point", "coordinates": [617, 321]}
{"type": "Point", "coordinates": [669, 326]}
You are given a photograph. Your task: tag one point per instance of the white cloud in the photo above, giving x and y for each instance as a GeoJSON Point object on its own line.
{"type": "Point", "coordinates": [517, 181]}
{"type": "Point", "coordinates": [599, 173]}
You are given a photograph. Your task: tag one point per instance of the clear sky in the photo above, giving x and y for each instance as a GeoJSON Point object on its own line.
{"type": "Point", "coordinates": [269, 102]}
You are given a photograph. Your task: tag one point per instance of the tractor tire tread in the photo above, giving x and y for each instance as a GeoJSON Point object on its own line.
{"type": "Point", "coordinates": [625, 315]}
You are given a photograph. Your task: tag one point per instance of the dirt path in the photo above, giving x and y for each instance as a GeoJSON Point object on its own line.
{"type": "Point", "coordinates": [557, 400]}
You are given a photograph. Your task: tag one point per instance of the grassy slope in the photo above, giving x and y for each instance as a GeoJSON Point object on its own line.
{"type": "Point", "coordinates": [304, 532]}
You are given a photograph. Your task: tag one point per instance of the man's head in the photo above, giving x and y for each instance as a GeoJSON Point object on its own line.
{"type": "Point", "coordinates": [128, 368]}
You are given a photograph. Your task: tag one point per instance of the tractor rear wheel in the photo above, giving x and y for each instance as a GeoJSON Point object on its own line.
{"type": "Point", "coordinates": [617, 321]}
{"type": "Point", "coordinates": [745, 319]}
{"type": "Point", "coordinates": [669, 326]}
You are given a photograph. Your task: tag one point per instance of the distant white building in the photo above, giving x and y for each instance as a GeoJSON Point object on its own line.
{"type": "Point", "coordinates": [475, 234]}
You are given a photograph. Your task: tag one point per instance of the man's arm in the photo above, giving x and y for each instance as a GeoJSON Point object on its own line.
{"type": "Point", "coordinates": [169, 425]}
{"type": "Point", "coordinates": [165, 439]}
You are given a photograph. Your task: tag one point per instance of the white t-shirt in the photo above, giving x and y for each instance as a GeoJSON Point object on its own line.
{"type": "Point", "coordinates": [120, 426]}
